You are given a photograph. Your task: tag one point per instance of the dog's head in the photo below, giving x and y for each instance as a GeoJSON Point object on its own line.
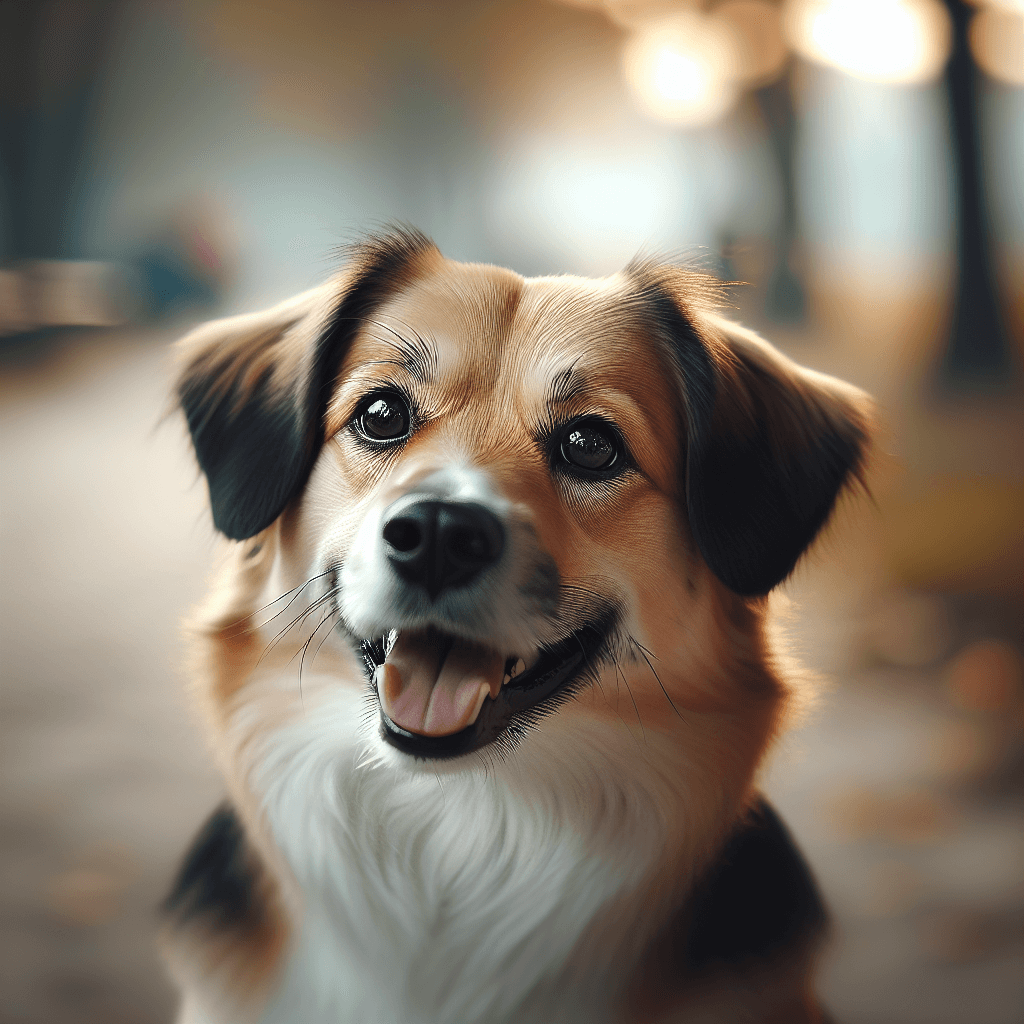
{"type": "Point", "coordinates": [514, 488]}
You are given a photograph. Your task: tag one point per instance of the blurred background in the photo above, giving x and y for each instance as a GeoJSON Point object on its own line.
{"type": "Point", "coordinates": [858, 163]}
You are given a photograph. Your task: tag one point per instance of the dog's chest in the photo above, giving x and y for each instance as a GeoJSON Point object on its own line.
{"type": "Point", "coordinates": [451, 976]}
{"type": "Point", "coordinates": [435, 899]}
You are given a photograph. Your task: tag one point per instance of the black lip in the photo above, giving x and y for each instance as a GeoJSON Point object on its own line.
{"type": "Point", "coordinates": [525, 698]}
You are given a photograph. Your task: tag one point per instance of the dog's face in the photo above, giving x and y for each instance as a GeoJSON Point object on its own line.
{"type": "Point", "coordinates": [495, 450]}
{"type": "Point", "coordinates": [520, 492]}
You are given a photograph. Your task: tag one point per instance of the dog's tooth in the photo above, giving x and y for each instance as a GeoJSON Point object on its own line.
{"type": "Point", "coordinates": [389, 684]}
{"type": "Point", "coordinates": [517, 669]}
{"type": "Point", "coordinates": [480, 697]}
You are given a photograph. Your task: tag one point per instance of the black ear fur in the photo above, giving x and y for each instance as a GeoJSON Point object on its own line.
{"type": "Point", "coordinates": [254, 389]}
{"type": "Point", "coordinates": [769, 444]}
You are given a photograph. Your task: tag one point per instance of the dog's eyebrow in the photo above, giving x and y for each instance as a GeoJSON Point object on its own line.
{"type": "Point", "coordinates": [566, 385]}
{"type": "Point", "coordinates": [415, 354]}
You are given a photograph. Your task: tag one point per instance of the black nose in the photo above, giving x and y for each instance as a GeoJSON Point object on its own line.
{"type": "Point", "coordinates": [442, 544]}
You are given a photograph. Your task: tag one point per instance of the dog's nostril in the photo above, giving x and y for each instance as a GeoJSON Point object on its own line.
{"type": "Point", "coordinates": [470, 536]}
{"type": "Point", "coordinates": [469, 545]}
{"type": "Point", "coordinates": [403, 534]}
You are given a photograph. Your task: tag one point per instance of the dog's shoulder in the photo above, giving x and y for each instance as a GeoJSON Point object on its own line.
{"type": "Point", "coordinates": [223, 907]}
{"type": "Point", "coordinates": [758, 900]}
{"type": "Point", "coordinates": [218, 880]}
{"type": "Point", "coordinates": [743, 942]}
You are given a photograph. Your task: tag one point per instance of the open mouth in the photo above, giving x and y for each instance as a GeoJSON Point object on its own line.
{"type": "Point", "coordinates": [443, 696]}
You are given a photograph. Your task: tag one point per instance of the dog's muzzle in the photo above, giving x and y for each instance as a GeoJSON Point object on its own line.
{"type": "Point", "coordinates": [453, 661]}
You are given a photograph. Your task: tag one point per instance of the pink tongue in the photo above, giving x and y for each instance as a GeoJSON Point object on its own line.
{"type": "Point", "coordinates": [423, 694]}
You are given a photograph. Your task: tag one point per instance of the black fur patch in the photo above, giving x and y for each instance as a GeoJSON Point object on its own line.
{"type": "Point", "coordinates": [764, 466]}
{"type": "Point", "coordinates": [753, 508]}
{"type": "Point", "coordinates": [216, 883]}
{"type": "Point", "coordinates": [254, 454]}
{"type": "Point", "coordinates": [758, 900]}
{"type": "Point", "coordinates": [258, 452]}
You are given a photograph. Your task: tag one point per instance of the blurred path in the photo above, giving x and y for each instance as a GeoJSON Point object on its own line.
{"type": "Point", "coordinates": [910, 807]}
{"type": "Point", "coordinates": [103, 545]}
{"type": "Point", "coordinates": [104, 542]}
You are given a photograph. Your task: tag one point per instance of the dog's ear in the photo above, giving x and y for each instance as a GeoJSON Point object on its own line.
{"type": "Point", "coordinates": [769, 444]}
{"type": "Point", "coordinates": [766, 467]}
{"type": "Point", "coordinates": [254, 389]}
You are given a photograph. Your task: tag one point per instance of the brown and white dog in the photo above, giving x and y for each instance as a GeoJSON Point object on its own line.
{"type": "Point", "coordinates": [487, 662]}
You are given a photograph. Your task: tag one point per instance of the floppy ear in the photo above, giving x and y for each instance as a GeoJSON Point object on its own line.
{"type": "Point", "coordinates": [777, 445]}
{"type": "Point", "coordinates": [254, 388]}
{"type": "Point", "coordinates": [769, 444]}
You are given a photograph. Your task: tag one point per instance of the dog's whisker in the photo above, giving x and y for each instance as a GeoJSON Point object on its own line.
{"type": "Point", "coordinates": [644, 654]}
{"type": "Point", "coordinates": [296, 591]}
{"type": "Point", "coordinates": [635, 708]}
{"type": "Point", "coordinates": [625, 724]}
{"type": "Point", "coordinates": [326, 637]}
{"type": "Point", "coordinates": [312, 610]}
{"type": "Point", "coordinates": [305, 647]}
{"type": "Point", "coordinates": [301, 617]}
{"type": "Point", "coordinates": [298, 620]}
{"type": "Point", "coordinates": [313, 579]}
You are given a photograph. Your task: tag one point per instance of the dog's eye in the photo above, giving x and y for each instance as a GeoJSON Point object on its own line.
{"type": "Point", "coordinates": [385, 418]}
{"type": "Point", "coordinates": [590, 445]}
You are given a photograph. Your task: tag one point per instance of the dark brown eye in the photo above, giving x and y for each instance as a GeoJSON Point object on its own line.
{"type": "Point", "coordinates": [590, 446]}
{"type": "Point", "coordinates": [386, 418]}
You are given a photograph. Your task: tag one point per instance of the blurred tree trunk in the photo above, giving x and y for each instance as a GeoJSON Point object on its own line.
{"type": "Point", "coordinates": [52, 59]}
{"type": "Point", "coordinates": [977, 355]}
{"type": "Point", "coordinates": [786, 300]}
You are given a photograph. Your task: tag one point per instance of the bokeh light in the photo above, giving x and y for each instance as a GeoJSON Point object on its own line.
{"type": "Point", "coordinates": [997, 41]}
{"type": "Point", "coordinates": [682, 69]}
{"type": "Point", "coordinates": [895, 41]}
{"type": "Point", "coordinates": [757, 31]}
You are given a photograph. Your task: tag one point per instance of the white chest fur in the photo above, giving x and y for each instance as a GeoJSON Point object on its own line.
{"type": "Point", "coordinates": [455, 896]}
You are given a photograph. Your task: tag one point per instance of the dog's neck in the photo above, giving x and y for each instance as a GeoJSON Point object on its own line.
{"type": "Point", "coordinates": [460, 895]}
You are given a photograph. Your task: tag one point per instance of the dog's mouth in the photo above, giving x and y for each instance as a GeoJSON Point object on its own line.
{"type": "Point", "coordinates": [442, 696]}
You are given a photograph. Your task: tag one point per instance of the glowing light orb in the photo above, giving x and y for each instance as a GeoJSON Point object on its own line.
{"type": "Point", "coordinates": [678, 77]}
{"type": "Point", "coordinates": [896, 41]}
{"type": "Point", "coordinates": [682, 70]}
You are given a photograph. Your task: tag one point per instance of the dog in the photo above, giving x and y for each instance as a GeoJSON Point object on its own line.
{"type": "Point", "coordinates": [488, 662]}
